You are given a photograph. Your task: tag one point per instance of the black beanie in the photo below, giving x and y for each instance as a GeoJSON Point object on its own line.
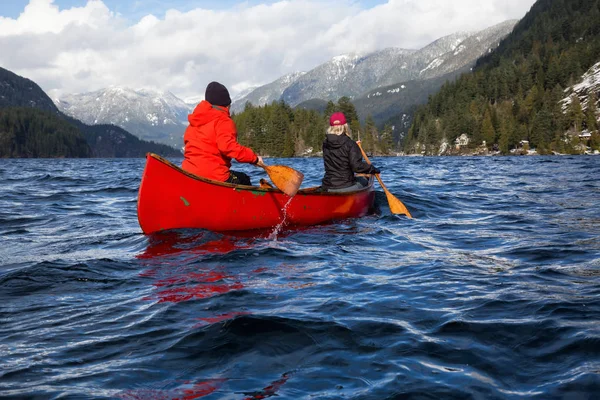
{"type": "Point", "coordinates": [217, 95]}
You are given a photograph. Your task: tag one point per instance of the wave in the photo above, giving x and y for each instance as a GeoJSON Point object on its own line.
{"type": "Point", "coordinates": [490, 292]}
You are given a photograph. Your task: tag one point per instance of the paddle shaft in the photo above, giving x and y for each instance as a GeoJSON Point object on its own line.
{"type": "Point", "coordinates": [396, 206]}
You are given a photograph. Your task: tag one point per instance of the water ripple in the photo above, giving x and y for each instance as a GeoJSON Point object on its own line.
{"type": "Point", "coordinates": [492, 291]}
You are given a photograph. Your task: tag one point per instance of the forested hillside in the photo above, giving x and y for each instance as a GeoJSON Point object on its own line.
{"type": "Point", "coordinates": [16, 91]}
{"type": "Point", "coordinates": [390, 102]}
{"type": "Point", "coordinates": [279, 130]}
{"type": "Point", "coordinates": [43, 131]}
{"type": "Point", "coordinates": [515, 93]}
{"type": "Point", "coordinates": [30, 133]}
{"type": "Point", "coordinates": [109, 141]}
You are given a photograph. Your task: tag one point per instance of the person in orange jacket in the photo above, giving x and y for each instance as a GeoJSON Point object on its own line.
{"type": "Point", "coordinates": [211, 140]}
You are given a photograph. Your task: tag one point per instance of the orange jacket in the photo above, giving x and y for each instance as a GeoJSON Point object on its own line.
{"type": "Point", "coordinates": [211, 142]}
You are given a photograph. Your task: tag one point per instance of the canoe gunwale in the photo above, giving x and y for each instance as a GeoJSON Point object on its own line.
{"type": "Point", "coordinates": [313, 191]}
{"type": "Point", "coordinates": [171, 198]}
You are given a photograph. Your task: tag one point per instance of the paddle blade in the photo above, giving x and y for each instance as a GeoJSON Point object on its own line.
{"type": "Point", "coordinates": [396, 206]}
{"type": "Point", "coordinates": [286, 179]}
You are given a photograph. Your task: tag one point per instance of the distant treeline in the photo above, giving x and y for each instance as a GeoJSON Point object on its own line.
{"type": "Point", "coordinates": [278, 130]}
{"type": "Point", "coordinates": [515, 92]}
{"type": "Point", "coordinates": [31, 133]}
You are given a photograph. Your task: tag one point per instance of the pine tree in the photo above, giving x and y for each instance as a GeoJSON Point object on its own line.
{"type": "Point", "coordinates": [386, 144]}
{"type": "Point", "coordinates": [289, 145]}
{"type": "Point", "coordinates": [354, 128]}
{"type": "Point", "coordinates": [346, 107]}
{"type": "Point", "coordinates": [591, 117]}
{"type": "Point", "coordinates": [595, 141]}
{"type": "Point", "coordinates": [487, 129]}
{"type": "Point", "coordinates": [330, 108]}
{"type": "Point", "coordinates": [559, 123]}
{"type": "Point", "coordinates": [541, 130]}
{"type": "Point", "coordinates": [575, 113]}
{"type": "Point", "coordinates": [369, 134]}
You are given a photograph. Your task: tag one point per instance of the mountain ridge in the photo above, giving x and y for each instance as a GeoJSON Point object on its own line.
{"type": "Point", "coordinates": [158, 116]}
{"type": "Point", "coordinates": [355, 74]}
{"type": "Point", "coordinates": [162, 117]}
{"type": "Point", "coordinates": [18, 92]}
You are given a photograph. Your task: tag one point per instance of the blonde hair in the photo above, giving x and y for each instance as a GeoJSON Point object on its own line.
{"type": "Point", "coordinates": [339, 130]}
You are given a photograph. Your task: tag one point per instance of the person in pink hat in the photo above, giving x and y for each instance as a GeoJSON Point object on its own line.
{"type": "Point", "coordinates": [342, 158]}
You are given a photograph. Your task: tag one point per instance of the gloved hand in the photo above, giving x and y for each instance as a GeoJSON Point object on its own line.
{"type": "Point", "coordinates": [375, 170]}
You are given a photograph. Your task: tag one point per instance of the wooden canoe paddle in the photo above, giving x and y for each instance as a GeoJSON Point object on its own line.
{"type": "Point", "coordinates": [396, 206]}
{"type": "Point", "coordinates": [286, 179]}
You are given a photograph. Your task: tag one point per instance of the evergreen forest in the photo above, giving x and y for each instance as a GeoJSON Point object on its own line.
{"type": "Point", "coordinates": [278, 130]}
{"type": "Point", "coordinates": [516, 94]}
{"type": "Point", "coordinates": [32, 133]}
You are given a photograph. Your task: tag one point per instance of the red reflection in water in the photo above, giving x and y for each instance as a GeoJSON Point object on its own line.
{"type": "Point", "coordinates": [210, 276]}
{"type": "Point", "coordinates": [201, 389]}
{"type": "Point", "coordinates": [184, 286]}
{"type": "Point", "coordinates": [268, 391]}
{"type": "Point", "coordinates": [220, 318]}
{"type": "Point", "coordinates": [179, 294]}
{"type": "Point", "coordinates": [186, 392]}
{"type": "Point", "coordinates": [173, 258]}
{"type": "Point", "coordinates": [175, 243]}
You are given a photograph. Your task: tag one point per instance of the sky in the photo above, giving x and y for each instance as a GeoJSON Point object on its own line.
{"type": "Point", "coordinates": [74, 46]}
{"type": "Point", "coordinates": [132, 9]}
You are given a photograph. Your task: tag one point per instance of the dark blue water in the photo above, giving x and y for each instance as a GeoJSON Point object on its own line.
{"type": "Point", "coordinates": [491, 292]}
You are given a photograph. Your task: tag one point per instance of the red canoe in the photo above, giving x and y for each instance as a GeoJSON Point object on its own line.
{"type": "Point", "coordinates": [171, 198]}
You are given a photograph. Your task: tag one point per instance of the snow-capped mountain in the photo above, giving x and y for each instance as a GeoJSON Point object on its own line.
{"type": "Point", "coordinates": [162, 117]}
{"type": "Point", "coordinates": [395, 104]}
{"type": "Point", "coordinates": [450, 56]}
{"type": "Point", "coordinates": [427, 59]}
{"type": "Point", "coordinates": [345, 75]}
{"type": "Point", "coordinates": [354, 74]}
{"type": "Point", "coordinates": [243, 93]}
{"type": "Point", "coordinates": [150, 115]}
{"type": "Point", "coordinates": [265, 94]}
{"type": "Point", "coordinates": [468, 50]}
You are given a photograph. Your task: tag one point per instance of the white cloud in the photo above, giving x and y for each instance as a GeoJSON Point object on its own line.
{"type": "Point", "coordinates": [87, 48]}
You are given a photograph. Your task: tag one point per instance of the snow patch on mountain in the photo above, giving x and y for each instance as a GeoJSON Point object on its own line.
{"type": "Point", "coordinates": [243, 93]}
{"type": "Point", "coordinates": [342, 65]}
{"type": "Point", "coordinates": [590, 83]}
{"type": "Point", "coordinates": [434, 64]}
{"type": "Point", "coordinates": [354, 74]}
{"type": "Point", "coordinates": [459, 50]}
{"type": "Point", "coordinates": [265, 94]}
{"type": "Point", "coordinates": [149, 114]}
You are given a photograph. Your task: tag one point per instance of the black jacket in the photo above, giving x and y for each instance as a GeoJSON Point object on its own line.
{"type": "Point", "coordinates": [342, 158]}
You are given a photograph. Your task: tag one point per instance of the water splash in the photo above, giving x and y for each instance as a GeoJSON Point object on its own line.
{"type": "Point", "coordinates": [279, 227]}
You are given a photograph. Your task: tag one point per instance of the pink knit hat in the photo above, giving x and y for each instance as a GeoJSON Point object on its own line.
{"type": "Point", "coordinates": [337, 118]}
